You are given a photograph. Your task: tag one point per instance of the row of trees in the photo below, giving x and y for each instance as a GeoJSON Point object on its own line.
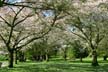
{"type": "Point", "coordinates": [24, 22]}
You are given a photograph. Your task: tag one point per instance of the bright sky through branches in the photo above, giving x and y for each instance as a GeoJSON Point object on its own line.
{"type": "Point", "coordinates": [13, 1]}
{"type": "Point", "coordinates": [48, 13]}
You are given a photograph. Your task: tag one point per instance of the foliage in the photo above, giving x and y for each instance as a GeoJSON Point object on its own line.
{"type": "Point", "coordinates": [79, 51]}
{"type": "Point", "coordinates": [3, 57]}
{"type": "Point", "coordinates": [40, 49]}
{"type": "Point", "coordinates": [24, 22]}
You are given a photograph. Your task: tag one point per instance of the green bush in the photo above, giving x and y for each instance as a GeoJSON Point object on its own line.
{"type": "Point", "coordinates": [3, 57]}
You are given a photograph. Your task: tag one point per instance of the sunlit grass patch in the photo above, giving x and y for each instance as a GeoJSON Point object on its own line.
{"type": "Point", "coordinates": [57, 66]}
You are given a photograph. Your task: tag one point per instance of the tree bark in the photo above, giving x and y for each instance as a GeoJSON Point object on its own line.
{"type": "Point", "coordinates": [22, 57]}
{"type": "Point", "coordinates": [81, 59]}
{"type": "Point", "coordinates": [81, 56]}
{"type": "Point", "coordinates": [47, 58]}
{"type": "Point", "coordinates": [94, 60]}
{"type": "Point", "coordinates": [41, 58]}
{"type": "Point", "coordinates": [16, 57]}
{"type": "Point", "coordinates": [65, 56]}
{"type": "Point", "coordinates": [105, 57]}
{"type": "Point", "coordinates": [11, 58]}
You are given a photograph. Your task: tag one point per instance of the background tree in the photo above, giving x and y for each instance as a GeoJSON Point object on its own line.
{"type": "Point", "coordinates": [88, 28]}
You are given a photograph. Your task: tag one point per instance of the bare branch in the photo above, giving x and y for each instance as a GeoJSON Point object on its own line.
{"type": "Point", "coordinates": [12, 9]}
{"type": "Point", "coordinates": [17, 38]}
{"type": "Point", "coordinates": [27, 6]}
{"type": "Point", "coordinates": [43, 34]}
{"type": "Point", "coordinates": [12, 27]}
{"type": "Point", "coordinates": [79, 36]}
{"type": "Point", "coordinates": [18, 41]}
{"type": "Point", "coordinates": [22, 20]}
{"type": "Point", "coordinates": [5, 21]}
{"type": "Point", "coordinates": [3, 39]}
{"type": "Point", "coordinates": [15, 17]}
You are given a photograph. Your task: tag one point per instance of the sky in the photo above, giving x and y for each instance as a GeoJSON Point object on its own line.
{"type": "Point", "coordinates": [48, 13]}
{"type": "Point", "coordinates": [13, 1]}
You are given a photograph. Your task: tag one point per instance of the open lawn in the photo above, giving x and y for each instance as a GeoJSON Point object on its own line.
{"type": "Point", "coordinates": [58, 66]}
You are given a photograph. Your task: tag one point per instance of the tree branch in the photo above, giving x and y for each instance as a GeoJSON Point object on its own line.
{"type": "Point", "coordinates": [12, 26]}
{"type": "Point", "coordinates": [15, 17]}
{"type": "Point", "coordinates": [22, 20]}
{"type": "Point", "coordinates": [5, 21]}
{"type": "Point", "coordinates": [3, 39]}
{"type": "Point", "coordinates": [35, 38]}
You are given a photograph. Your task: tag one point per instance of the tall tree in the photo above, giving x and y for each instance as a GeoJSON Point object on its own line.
{"type": "Point", "coordinates": [91, 29]}
{"type": "Point", "coordinates": [19, 29]}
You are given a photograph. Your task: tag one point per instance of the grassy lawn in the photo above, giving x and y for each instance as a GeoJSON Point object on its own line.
{"type": "Point", "coordinates": [58, 66]}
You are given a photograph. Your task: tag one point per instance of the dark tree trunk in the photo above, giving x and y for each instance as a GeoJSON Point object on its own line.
{"type": "Point", "coordinates": [22, 57]}
{"type": "Point", "coordinates": [81, 59]}
{"type": "Point", "coordinates": [94, 60]}
{"type": "Point", "coordinates": [105, 57]}
{"type": "Point", "coordinates": [11, 58]}
{"type": "Point", "coordinates": [16, 57]}
{"type": "Point", "coordinates": [65, 56]}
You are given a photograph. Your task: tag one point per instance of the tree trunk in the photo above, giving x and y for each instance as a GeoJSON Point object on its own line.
{"type": "Point", "coordinates": [81, 59]}
{"type": "Point", "coordinates": [81, 56]}
{"type": "Point", "coordinates": [16, 57]}
{"type": "Point", "coordinates": [41, 58]}
{"type": "Point", "coordinates": [47, 59]}
{"type": "Point", "coordinates": [94, 60]}
{"type": "Point", "coordinates": [105, 57]}
{"type": "Point", "coordinates": [11, 58]}
{"type": "Point", "coordinates": [65, 56]}
{"type": "Point", "coordinates": [22, 57]}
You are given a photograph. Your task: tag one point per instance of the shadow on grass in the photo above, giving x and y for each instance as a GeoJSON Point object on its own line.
{"type": "Point", "coordinates": [59, 66]}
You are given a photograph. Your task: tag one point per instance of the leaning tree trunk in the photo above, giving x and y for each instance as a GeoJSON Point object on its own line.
{"type": "Point", "coordinates": [94, 60]}
{"type": "Point", "coordinates": [11, 58]}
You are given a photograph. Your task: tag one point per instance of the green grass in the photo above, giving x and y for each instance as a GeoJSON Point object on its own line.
{"type": "Point", "coordinates": [58, 65]}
